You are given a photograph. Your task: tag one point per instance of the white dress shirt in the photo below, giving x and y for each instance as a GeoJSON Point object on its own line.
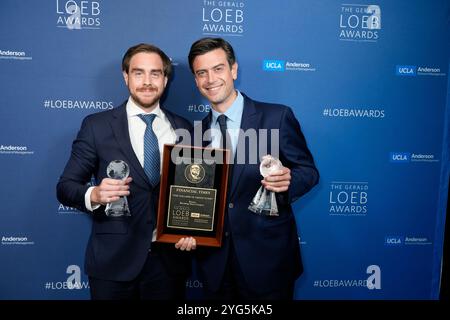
{"type": "Point", "coordinates": [136, 127]}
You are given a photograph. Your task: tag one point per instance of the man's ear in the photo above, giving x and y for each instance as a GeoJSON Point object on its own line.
{"type": "Point", "coordinates": [125, 77]}
{"type": "Point", "coordinates": [234, 70]}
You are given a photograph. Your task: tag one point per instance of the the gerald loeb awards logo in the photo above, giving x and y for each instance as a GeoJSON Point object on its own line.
{"type": "Point", "coordinates": [348, 198]}
{"type": "Point", "coordinates": [360, 22]}
{"type": "Point", "coordinates": [77, 15]}
{"type": "Point", "coordinates": [194, 173]}
{"type": "Point", "coordinates": [224, 18]}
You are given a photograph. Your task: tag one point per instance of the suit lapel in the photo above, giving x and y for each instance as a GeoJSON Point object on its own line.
{"type": "Point", "coordinates": [206, 124]}
{"type": "Point", "coordinates": [250, 120]}
{"type": "Point", "coordinates": [119, 125]}
{"type": "Point", "coordinates": [172, 121]}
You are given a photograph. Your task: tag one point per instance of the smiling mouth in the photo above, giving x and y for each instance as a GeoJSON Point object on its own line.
{"type": "Point", "coordinates": [213, 89]}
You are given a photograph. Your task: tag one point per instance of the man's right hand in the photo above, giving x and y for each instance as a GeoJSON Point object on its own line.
{"type": "Point", "coordinates": [110, 190]}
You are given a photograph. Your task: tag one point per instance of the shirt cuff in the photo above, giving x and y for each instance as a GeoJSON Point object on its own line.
{"type": "Point", "coordinates": [87, 200]}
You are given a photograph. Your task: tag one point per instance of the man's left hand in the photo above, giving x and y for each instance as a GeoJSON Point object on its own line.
{"type": "Point", "coordinates": [187, 244]}
{"type": "Point", "coordinates": [278, 181]}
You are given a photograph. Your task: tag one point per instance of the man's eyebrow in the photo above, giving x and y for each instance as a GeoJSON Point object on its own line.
{"type": "Point", "coordinates": [218, 65]}
{"type": "Point", "coordinates": [142, 70]}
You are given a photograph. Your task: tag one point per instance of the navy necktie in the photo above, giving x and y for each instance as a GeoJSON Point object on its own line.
{"type": "Point", "coordinates": [222, 120]}
{"type": "Point", "coordinates": [226, 141]}
{"type": "Point", "coordinates": [151, 150]}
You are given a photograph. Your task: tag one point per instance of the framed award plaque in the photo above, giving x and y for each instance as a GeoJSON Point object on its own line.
{"type": "Point", "coordinates": [192, 195]}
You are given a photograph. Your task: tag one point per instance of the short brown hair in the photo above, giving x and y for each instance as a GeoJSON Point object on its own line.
{"type": "Point", "coordinates": [206, 45]}
{"type": "Point", "coordinates": [144, 47]}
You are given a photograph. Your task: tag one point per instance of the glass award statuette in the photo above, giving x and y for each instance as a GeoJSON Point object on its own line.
{"type": "Point", "coordinates": [264, 201]}
{"type": "Point", "coordinates": [118, 169]}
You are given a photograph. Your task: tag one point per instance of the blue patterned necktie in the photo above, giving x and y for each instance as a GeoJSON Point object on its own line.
{"type": "Point", "coordinates": [151, 150]}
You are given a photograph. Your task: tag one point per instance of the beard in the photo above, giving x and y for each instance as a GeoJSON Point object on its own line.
{"type": "Point", "coordinates": [148, 104]}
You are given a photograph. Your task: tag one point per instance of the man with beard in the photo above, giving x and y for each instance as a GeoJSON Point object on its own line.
{"type": "Point", "coordinates": [123, 261]}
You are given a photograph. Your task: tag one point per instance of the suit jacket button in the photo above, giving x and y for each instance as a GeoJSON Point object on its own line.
{"type": "Point", "coordinates": [231, 205]}
{"type": "Point", "coordinates": [227, 234]}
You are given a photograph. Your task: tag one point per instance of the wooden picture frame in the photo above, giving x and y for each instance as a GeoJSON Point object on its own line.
{"type": "Point", "coordinates": [193, 193]}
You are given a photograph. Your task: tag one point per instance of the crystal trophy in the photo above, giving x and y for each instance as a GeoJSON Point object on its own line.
{"type": "Point", "coordinates": [118, 169]}
{"type": "Point", "coordinates": [264, 202]}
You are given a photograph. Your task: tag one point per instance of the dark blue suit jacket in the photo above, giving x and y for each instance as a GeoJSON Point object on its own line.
{"type": "Point", "coordinates": [267, 248]}
{"type": "Point", "coordinates": [117, 247]}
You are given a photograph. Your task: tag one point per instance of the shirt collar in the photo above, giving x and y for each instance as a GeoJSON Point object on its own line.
{"type": "Point", "coordinates": [234, 112]}
{"type": "Point", "coordinates": [133, 109]}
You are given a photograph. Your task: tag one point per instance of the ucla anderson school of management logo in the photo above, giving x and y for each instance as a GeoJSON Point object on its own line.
{"type": "Point", "coordinates": [407, 157]}
{"type": "Point", "coordinates": [286, 65]}
{"type": "Point", "coordinates": [413, 71]}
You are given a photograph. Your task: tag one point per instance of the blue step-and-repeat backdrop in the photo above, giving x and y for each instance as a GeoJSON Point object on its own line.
{"type": "Point", "coordinates": [368, 81]}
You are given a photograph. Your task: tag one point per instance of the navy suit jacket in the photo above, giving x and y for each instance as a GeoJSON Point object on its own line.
{"type": "Point", "coordinates": [267, 248]}
{"type": "Point", "coordinates": [118, 247]}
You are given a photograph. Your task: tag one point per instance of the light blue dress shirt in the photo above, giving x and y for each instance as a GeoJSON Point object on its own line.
{"type": "Point", "coordinates": [234, 117]}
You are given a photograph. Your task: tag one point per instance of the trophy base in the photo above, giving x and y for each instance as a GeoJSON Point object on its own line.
{"type": "Point", "coordinates": [118, 208]}
{"type": "Point", "coordinates": [264, 203]}
{"type": "Point", "coordinates": [116, 214]}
